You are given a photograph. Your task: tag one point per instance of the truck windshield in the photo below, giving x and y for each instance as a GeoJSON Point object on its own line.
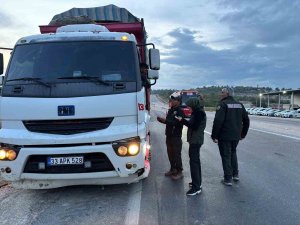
{"type": "Point", "coordinates": [105, 60]}
{"type": "Point", "coordinates": [186, 95]}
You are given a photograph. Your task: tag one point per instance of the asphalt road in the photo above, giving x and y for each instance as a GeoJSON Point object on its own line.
{"type": "Point", "coordinates": [268, 193]}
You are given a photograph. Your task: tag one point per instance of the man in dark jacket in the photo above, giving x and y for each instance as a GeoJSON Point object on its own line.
{"type": "Point", "coordinates": [231, 124]}
{"type": "Point", "coordinates": [195, 138]}
{"type": "Point", "coordinates": [144, 74]}
{"type": "Point", "coordinates": [173, 136]}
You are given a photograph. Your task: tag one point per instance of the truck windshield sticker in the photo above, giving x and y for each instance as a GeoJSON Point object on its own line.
{"type": "Point", "coordinates": [77, 73]}
{"type": "Point", "coordinates": [112, 77]}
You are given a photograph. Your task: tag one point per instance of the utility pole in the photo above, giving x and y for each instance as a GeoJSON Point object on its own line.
{"type": "Point", "coordinates": [260, 95]}
{"type": "Point", "coordinates": [292, 99]}
{"type": "Point", "coordinates": [256, 95]}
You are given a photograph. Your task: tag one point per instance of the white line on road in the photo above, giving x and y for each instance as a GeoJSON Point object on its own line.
{"type": "Point", "coordinates": [207, 132]}
{"type": "Point", "coordinates": [267, 132]}
{"type": "Point", "coordinates": [134, 204]}
{"type": "Point", "coordinates": [281, 135]}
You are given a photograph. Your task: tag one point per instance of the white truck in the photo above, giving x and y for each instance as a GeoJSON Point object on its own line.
{"type": "Point", "coordinates": [74, 108]}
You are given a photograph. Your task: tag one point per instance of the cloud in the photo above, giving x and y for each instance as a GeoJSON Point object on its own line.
{"type": "Point", "coordinates": [173, 76]}
{"type": "Point", "coordinates": [195, 63]}
{"type": "Point", "coordinates": [266, 22]}
{"type": "Point", "coordinates": [5, 20]}
{"type": "Point", "coordinates": [259, 45]}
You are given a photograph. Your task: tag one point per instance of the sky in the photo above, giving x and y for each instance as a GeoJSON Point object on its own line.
{"type": "Point", "coordinates": [202, 42]}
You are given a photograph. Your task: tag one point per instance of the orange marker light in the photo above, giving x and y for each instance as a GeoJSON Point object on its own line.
{"type": "Point", "coordinates": [124, 38]}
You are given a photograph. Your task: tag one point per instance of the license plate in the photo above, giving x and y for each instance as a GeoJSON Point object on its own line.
{"type": "Point", "coordinates": [74, 160]}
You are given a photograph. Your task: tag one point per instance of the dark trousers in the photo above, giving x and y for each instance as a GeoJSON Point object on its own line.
{"type": "Point", "coordinates": [195, 165]}
{"type": "Point", "coordinates": [229, 158]}
{"type": "Point", "coordinates": [174, 146]}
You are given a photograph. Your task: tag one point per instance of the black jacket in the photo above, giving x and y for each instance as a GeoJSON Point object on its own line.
{"type": "Point", "coordinates": [173, 126]}
{"type": "Point", "coordinates": [196, 126]}
{"type": "Point", "coordinates": [231, 121]}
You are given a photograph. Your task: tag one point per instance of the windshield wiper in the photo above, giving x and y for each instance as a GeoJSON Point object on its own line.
{"type": "Point", "coordinates": [90, 78]}
{"type": "Point", "coordinates": [35, 79]}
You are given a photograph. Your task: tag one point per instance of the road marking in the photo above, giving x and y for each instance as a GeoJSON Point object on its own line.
{"type": "Point", "coordinates": [267, 132]}
{"type": "Point", "coordinates": [207, 132]}
{"type": "Point", "coordinates": [281, 135]}
{"type": "Point", "coordinates": [134, 204]}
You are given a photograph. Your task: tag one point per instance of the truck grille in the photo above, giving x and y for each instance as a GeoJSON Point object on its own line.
{"type": "Point", "coordinates": [99, 163]}
{"type": "Point", "coordinates": [66, 127]}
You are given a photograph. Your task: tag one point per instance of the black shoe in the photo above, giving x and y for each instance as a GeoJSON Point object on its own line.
{"type": "Point", "coordinates": [226, 182]}
{"type": "Point", "coordinates": [236, 178]}
{"type": "Point", "coordinates": [191, 185]}
{"type": "Point", "coordinates": [193, 192]}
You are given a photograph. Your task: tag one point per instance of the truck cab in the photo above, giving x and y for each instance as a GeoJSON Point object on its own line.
{"type": "Point", "coordinates": [73, 109]}
{"type": "Point", "coordinates": [185, 95]}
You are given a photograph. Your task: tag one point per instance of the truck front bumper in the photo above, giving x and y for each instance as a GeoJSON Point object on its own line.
{"type": "Point", "coordinates": [20, 178]}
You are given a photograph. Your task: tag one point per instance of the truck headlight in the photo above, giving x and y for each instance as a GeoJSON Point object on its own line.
{"type": "Point", "coordinates": [127, 147]}
{"type": "Point", "coordinates": [2, 154]}
{"type": "Point", "coordinates": [133, 149]}
{"type": "Point", "coordinates": [8, 153]}
{"type": "Point", "coordinates": [11, 155]}
{"type": "Point", "coordinates": [122, 150]}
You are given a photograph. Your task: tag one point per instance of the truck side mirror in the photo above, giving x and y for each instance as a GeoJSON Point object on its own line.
{"type": "Point", "coordinates": [153, 74]}
{"type": "Point", "coordinates": [154, 59]}
{"type": "Point", "coordinates": [1, 63]}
